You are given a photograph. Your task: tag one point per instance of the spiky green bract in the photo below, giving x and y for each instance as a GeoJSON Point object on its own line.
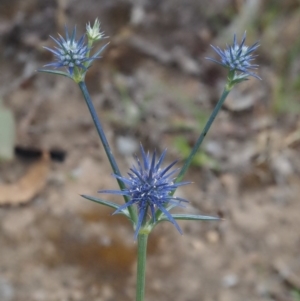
{"type": "Point", "coordinates": [93, 32]}
{"type": "Point", "coordinates": [72, 54]}
{"type": "Point", "coordinates": [237, 58]}
{"type": "Point", "coordinates": [150, 187]}
{"type": "Point", "coordinates": [106, 203]}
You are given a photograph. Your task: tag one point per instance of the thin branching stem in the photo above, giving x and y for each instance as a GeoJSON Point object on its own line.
{"type": "Point", "coordinates": [105, 143]}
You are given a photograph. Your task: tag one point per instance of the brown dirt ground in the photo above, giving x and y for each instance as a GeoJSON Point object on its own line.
{"type": "Point", "coordinates": [152, 86]}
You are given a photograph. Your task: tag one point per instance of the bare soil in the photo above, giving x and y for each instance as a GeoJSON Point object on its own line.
{"type": "Point", "coordinates": [152, 86]}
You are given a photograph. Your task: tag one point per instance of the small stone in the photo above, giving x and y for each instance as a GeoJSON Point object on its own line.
{"type": "Point", "coordinates": [6, 290]}
{"type": "Point", "coordinates": [126, 145]}
{"type": "Point", "coordinates": [213, 236]}
{"type": "Point", "coordinates": [230, 280]}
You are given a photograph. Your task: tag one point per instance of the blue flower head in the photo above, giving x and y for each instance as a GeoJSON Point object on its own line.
{"type": "Point", "coordinates": [238, 57]}
{"type": "Point", "coordinates": [150, 188]}
{"type": "Point", "coordinates": [72, 54]}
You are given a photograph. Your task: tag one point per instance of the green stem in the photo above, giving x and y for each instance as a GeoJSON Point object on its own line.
{"type": "Point", "coordinates": [141, 266]}
{"type": "Point", "coordinates": [105, 144]}
{"type": "Point", "coordinates": [203, 134]}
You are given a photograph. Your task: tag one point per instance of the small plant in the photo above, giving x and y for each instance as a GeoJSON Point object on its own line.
{"type": "Point", "coordinates": [149, 187]}
{"type": "Point", "coordinates": [295, 295]}
{"type": "Point", "coordinates": [200, 159]}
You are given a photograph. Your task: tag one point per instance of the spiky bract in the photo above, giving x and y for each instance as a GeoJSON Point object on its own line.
{"type": "Point", "coordinates": [150, 187]}
{"type": "Point", "coordinates": [72, 54]}
{"type": "Point", "coordinates": [238, 57]}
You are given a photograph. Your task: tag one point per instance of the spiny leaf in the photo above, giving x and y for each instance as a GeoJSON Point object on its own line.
{"type": "Point", "coordinates": [191, 217]}
{"type": "Point", "coordinates": [106, 203]}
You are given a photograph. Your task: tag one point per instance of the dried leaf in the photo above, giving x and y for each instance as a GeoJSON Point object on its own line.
{"type": "Point", "coordinates": [28, 186]}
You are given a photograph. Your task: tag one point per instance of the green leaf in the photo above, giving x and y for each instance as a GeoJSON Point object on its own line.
{"type": "Point", "coordinates": [100, 201]}
{"type": "Point", "coordinates": [7, 134]}
{"type": "Point", "coordinates": [105, 203]}
{"type": "Point", "coordinates": [56, 72]}
{"type": "Point", "coordinates": [191, 217]}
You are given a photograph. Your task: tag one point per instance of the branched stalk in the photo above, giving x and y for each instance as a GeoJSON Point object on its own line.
{"type": "Point", "coordinates": [141, 266]}
{"type": "Point", "coordinates": [203, 134]}
{"type": "Point", "coordinates": [105, 143]}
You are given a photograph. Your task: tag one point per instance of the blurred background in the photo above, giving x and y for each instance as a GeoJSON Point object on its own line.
{"type": "Point", "coordinates": [153, 85]}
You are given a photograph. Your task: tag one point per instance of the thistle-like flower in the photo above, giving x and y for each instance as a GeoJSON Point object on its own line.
{"type": "Point", "coordinates": [93, 32]}
{"type": "Point", "coordinates": [238, 57]}
{"type": "Point", "coordinates": [72, 54]}
{"type": "Point", "coordinates": [150, 187]}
